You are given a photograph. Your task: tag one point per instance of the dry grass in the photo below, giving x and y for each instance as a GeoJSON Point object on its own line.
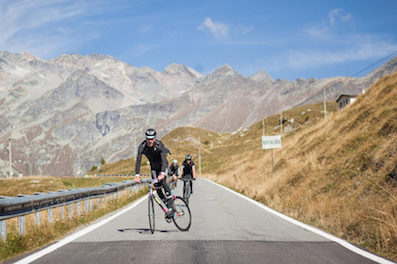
{"type": "Point", "coordinates": [32, 184]}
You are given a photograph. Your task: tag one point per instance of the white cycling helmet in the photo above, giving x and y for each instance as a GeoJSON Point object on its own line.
{"type": "Point", "coordinates": [150, 133]}
{"type": "Point", "coordinates": [175, 161]}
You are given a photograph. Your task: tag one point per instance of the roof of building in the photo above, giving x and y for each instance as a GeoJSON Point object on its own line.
{"type": "Point", "coordinates": [347, 95]}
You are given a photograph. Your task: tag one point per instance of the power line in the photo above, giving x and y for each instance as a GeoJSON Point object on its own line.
{"type": "Point", "coordinates": [392, 54]}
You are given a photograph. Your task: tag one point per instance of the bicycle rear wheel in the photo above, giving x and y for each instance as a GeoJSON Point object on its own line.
{"type": "Point", "coordinates": [151, 213]}
{"type": "Point", "coordinates": [182, 217]}
{"type": "Point", "coordinates": [186, 192]}
{"type": "Point", "coordinates": [189, 192]}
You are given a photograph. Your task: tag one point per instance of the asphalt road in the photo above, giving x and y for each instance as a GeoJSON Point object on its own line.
{"type": "Point", "coordinates": [225, 229]}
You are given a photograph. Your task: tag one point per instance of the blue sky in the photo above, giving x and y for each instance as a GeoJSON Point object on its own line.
{"type": "Point", "coordinates": [287, 39]}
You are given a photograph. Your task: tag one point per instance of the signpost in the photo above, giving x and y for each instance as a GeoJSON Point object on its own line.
{"type": "Point", "coordinates": [271, 142]}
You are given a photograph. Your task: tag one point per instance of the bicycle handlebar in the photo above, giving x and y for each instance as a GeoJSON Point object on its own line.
{"type": "Point", "coordinates": [150, 181]}
{"type": "Point", "coordinates": [190, 179]}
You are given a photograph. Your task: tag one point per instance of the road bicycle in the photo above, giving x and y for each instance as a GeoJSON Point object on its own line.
{"type": "Point", "coordinates": [182, 217]}
{"type": "Point", "coordinates": [186, 189]}
{"type": "Point", "coordinates": [171, 182]}
{"type": "Point", "coordinates": [173, 185]}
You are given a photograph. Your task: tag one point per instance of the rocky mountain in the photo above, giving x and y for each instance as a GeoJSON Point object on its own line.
{"type": "Point", "coordinates": [65, 114]}
{"type": "Point", "coordinates": [262, 76]}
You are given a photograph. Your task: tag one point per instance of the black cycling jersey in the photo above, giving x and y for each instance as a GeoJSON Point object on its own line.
{"type": "Point", "coordinates": [187, 169]}
{"type": "Point", "coordinates": [156, 156]}
{"type": "Point", "coordinates": [174, 169]}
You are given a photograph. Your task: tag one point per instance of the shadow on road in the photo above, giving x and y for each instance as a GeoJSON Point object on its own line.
{"type": "Point", "coordinates": [144, 230]}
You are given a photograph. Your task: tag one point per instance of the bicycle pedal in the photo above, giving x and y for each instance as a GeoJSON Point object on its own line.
{"type": "Point", "coordinates": [168, 220]}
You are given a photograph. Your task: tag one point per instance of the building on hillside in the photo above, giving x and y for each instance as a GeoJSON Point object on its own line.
{"type": "Point", "coordinates": [345, 99]}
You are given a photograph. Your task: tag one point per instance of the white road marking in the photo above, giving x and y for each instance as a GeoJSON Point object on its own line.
{"type": "Point", "coordinates": [74, 236]}
{"type": "Point", "coordinates": [341, 242]}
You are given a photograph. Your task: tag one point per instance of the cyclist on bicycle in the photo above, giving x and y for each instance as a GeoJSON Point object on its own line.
{"type": "Point", "coordinates": [174, 170]}
{"type": "Point", "coordinates": [188, 170]}
{"type": "Point", "coordinates": [156, 152]}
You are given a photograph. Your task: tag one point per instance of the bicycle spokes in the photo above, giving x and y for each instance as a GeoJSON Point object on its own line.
{"type": "Point", "coordinates": [182, 218]}
{"type": "Point", "coordinates": [151, 213]}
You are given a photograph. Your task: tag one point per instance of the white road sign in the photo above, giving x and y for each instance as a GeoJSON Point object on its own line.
{"type": "Point", "coordinates": [271, 142]}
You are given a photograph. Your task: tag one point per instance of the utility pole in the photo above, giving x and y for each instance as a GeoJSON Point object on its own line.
{"type": "Point", "coordinates": [133, 148]}
{"type": "Point", "coordinates": [281, 122]}
{"type": "Point", "coordinates": [325, 104]}
{"type": "Point", "coordinates": [272, 162]}
{"type": "Point", "coordinates": [199, 154]}
{"type": "Point", "coordinates": [263, 134]}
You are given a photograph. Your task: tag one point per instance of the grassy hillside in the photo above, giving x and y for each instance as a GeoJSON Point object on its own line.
{"type": "Point", "coordinates": [218, 148]}
{"type": "Point", "coordinates": [337, 174]}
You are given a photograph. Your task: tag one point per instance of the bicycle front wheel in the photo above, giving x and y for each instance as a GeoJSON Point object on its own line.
{"type": "Point", "coordinates": [151, 213]}
{"type": "Point", "coordinates": [182, 217]}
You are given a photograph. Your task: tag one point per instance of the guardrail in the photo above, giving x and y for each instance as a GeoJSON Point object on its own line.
{"type": "Point", "coordinates": [115, 175]}
{"type": "Point", "coordinates": [22, 205]}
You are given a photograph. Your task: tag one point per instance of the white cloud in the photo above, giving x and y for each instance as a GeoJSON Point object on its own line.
{"type": "Point", "coordinates": [363, 47]}
{"type": "Point", "coordinates": [346, 18]}
{"type": "Point", "coordinates": [337, 46]}
{"type": "Point", "coordinates": [46, 27]}
{"type": "Point", "coordinates": [338, 14]}
{"type": "Point", "coordinates": [217, 29]}
{"type": "Point", "coordinates": [244, 29]}
{"type": "Point", "coordinates": [142, 49]}
{"type": "Point", "coordinates": [328, 31]}
{"type": "Point", "coordinates": [146, 28]}
{"type": "Point", "coordinates": [318, 32]}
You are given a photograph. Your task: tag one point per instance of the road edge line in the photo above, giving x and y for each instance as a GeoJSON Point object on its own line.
{"type": "Point", "coordinates": [320, 232]}
{"type": "Point", "coordinates": [76, 235]}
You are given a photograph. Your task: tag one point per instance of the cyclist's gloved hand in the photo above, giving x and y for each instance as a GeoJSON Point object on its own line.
{"type": "Point", "coordinates": [137, 178]}
{"type": "Point", "coordinates": [161, 176]}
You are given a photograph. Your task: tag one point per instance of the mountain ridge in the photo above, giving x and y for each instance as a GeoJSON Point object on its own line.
{"type": "Point", "coordinates": [95, 105]}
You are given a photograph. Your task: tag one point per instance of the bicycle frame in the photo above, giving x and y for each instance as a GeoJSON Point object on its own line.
{"type": "Point", "coordinates": [151, 193]}
{"type": "Point", "coordinates": [186, 189]}
{"type": "Point", "coordinates": [172, 185]}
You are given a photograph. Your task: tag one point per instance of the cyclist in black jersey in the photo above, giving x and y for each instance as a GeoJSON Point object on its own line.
{"type": "Point", "coordinates": [173, 172]}
{"type": "Point", "coordinates": [188, 170]}
{"type": "Point", "coordinates": [156, 152]}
